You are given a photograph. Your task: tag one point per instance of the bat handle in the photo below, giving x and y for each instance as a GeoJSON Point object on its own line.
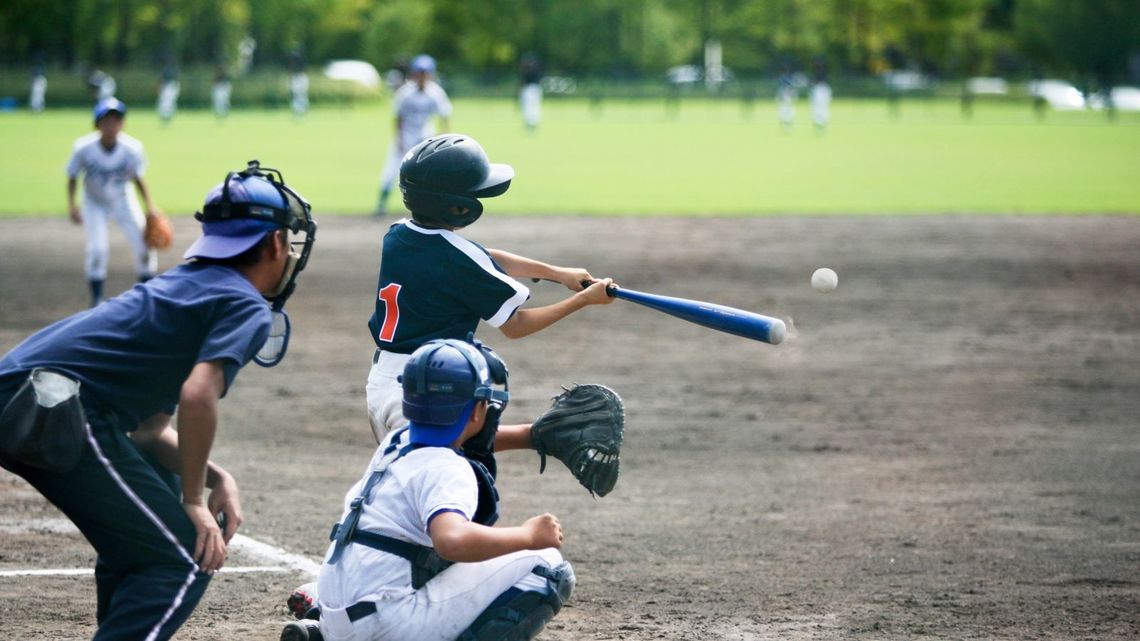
{"type": "Point", "coordinates": [611, 289]}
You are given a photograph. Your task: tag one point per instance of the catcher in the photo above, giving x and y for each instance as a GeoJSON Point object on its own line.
{"type": "Point", "coordinates": [414, 556]}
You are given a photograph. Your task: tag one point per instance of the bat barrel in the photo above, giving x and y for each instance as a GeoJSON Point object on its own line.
{"type": "Point", "coordinates": [719, 317]}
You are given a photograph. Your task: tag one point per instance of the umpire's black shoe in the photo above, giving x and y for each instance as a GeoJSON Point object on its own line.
{"type": "Point", "coordinates": [303, 630]}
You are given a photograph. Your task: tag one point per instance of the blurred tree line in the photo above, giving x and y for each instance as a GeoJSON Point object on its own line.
{"type": "Point", "coordinates": [600, 38]}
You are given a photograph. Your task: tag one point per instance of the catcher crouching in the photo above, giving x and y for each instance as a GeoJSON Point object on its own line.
{"type": "Point", "coordinates": [415, 556]}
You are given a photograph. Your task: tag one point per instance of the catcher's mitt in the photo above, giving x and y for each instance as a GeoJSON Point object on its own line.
{"type": "Point", "coordinates": [159, 233]}
{"type": "Point", "coordinates": [583, 428]}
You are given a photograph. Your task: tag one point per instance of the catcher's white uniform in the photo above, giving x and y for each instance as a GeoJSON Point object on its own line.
{"type": "Point", "coordinates": [415, 488]}
{"type": "Point", "coordinates": [108, 192]}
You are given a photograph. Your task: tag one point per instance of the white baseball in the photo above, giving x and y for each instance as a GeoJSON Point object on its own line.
{"type": "Point", "coordinates": [824, 280]}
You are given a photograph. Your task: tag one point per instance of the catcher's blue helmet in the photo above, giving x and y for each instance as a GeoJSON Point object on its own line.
{"type": "Point", "coordinates": [442, 380]}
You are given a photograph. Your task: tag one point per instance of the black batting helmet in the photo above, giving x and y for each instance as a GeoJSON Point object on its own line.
{"type": "Point", "coordinates": [446, 171]}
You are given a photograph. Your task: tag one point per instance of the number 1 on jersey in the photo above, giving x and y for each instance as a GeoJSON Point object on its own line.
{"type": "Point", "coordinates": [391, 311]}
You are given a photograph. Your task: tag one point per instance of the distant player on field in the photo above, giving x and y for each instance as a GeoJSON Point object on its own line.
{"type": "Point", "coordinates": [530, 93]}
{"type": "Point", "coordinates": [110, 161]}
{"type": "Point", "coordinates": [168, 89]}
{"type": "Point", "coordinates": [415, 103]}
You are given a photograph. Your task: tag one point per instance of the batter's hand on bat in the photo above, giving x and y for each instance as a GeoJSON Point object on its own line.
{"type": "Point", "coordinates": [596, 293]}
{"type": "Point", "coordinates": [574, 278]}
{"type": "Point", "coordinates": [209, 547]}
{"type": "Point", "coordinates": [545, 531]}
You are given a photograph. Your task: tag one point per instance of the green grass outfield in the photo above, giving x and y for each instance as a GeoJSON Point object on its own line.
{"type": "Point", "coordinates": [707, 157]}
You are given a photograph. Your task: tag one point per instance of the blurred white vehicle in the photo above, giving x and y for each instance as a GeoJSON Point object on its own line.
{"type": "Point", "coordinates": [357, 71]}
{"type": "Point", "coordinates": [1058, 94]}
{"type": "Point", "coordinates": [1123, 99]}
{"type": "Point", "coordinates": [905, 80]}
{"type": "Point", "coordinates": [982, 86]}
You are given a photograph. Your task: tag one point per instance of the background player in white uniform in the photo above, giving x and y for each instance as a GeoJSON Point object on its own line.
{"type": "Point", "coordinates": [38, 90]}
{"type": "Point", "coordinates": [168, 89]}
{"type": "Point", "coordinates": [530, 93]}
{"type": "Point", "coordinates": [415, 103]}
{"type": "Point", "coordinates": [110, 161]}
{"type": "Point", "coordinates": [220, 93]}
{"type": "Point", "coordinates": [421, 498]}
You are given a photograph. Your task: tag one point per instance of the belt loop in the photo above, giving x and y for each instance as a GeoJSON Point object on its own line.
{"type": "Point", "coordinates": [376, 355]}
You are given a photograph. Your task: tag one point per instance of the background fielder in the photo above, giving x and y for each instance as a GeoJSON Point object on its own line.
{"type": "Point", "coordinates": [415, 103]}
{"type": "Point", "coordinates": [110, 162]}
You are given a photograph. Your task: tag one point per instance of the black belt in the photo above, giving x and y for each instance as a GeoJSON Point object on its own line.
{"type": "Point", "coordinates": [376, 354]}
{"type": "Point", "coordinates": [359, 610]}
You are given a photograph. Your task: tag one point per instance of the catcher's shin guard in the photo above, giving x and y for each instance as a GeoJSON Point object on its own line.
{"type": "Point", "coordinates": [519, 615]}
{"type": "Point", "coordinates": [304, 630]}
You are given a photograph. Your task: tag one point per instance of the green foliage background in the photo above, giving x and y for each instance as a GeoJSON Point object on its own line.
{"type": "Point", "coordinates": [639, 157]}
{"type": "Point", "coordinates": [615, 38]}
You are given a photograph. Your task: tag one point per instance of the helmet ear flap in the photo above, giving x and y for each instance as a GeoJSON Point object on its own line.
{"type": "Point", "coordinates": [435, 206]}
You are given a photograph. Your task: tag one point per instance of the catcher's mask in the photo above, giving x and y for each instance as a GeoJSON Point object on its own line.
{"type": "Point", "coordinates": [240, 211]}
{"type": "Point", "coordinates": [447, 172]}
{"type": "Point", "coordinates": [442, 381]}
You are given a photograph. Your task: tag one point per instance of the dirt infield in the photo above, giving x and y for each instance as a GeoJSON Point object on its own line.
{"type": "Point", "coordinates": [947, 447]}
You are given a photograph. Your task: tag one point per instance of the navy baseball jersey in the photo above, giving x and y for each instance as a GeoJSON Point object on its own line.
{"type": "Point", "coordinates": [437, 284]}
{"type": "Point", "coordinates": [132, 354]}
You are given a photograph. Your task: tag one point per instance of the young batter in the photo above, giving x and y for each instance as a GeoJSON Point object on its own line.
{"type": "Point", "coordinates": [110, 162]}
{"type": "Point", "coordinates": [415, 103]}
{"type": "Point", "coordinates": [436, 284]}
{"type": "Point", "coordinates": [414, 557]}
{"type": "Point", "coordinates": [175, 342]}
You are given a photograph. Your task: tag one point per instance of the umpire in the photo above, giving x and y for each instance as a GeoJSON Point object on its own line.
{"type": "Point", "coordinates": [87, 404]}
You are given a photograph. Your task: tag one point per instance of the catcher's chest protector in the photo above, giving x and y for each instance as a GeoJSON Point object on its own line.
{"type": "Point", "coordinates": [426, 563]}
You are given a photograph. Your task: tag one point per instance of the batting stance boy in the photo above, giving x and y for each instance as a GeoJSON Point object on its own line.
{"type": "Point", "coordinates": [436, 284]}
{"type": "Point", "coordinates": [414, 556]}
{"type": "Point", "coordinates": [415, 103]}
{"type": "Point", "coordinates": [110, 161]}
{"type": "Point", "coordinates": [86, 405]}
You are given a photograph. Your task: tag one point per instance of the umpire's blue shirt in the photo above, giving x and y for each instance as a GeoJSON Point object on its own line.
{"type": "Point", "coordinates": [132, 353]}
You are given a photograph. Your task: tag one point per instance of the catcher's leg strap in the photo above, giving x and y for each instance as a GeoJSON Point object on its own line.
{"type": "Point", "coordinates": [519, 615]}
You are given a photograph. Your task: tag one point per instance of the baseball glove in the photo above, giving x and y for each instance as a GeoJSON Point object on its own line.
{"type": "Point", "coordinates": [159, 233]}
{"type": "Point", "coordinates": [583, 428]}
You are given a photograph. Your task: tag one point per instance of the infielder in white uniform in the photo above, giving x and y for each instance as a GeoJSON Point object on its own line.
{"type": "Point", "coordinates": [415, 102]}
{"type": "Point", "coordinates": [414, 556]}
{"type": "Point", "coordinates": [110, 161]}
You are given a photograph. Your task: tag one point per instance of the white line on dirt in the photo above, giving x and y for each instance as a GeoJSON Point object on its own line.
{"type": "Point", "coordinates": [282, 560]}
{"type": "Point", "coordinates": [241, 569]}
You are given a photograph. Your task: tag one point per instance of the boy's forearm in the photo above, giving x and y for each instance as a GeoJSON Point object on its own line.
{"type": "Point", "coordinates": [520, 266]}
{"type": "Point", "coordinates": [140, 184]}
{"type": "Point", "coordinates": [472, 543]}
{"type": "Point", "coordinates": [528, 321]}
